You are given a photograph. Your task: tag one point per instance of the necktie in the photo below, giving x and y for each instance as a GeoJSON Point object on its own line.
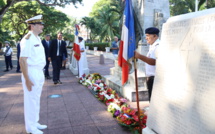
{"type": "Point", "coordinates": [59, 43]}
{"type": "Point", "coordinates": [47, 43]}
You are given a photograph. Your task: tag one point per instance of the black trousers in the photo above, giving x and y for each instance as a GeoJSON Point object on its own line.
{"type": "Point", "coordinates": [18, 66]}
{"type": "Point", "coordinates": [56, 64]}
{"type": "Point", "coordinates": [8, 62]}
{"type": "Point", "coordinates": [46, 68]}
{"type": "Point", "coordinates": [149, 82]}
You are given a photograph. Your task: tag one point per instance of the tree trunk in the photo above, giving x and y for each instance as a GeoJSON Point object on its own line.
{"type": "Point", "coordinates": [5, 8]}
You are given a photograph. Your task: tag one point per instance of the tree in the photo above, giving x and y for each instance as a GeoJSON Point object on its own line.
{"type": "Point", "coordinates": [107, 14]}
{"type": "Point", "coordinates": [109, 22]}
{"type": "Point", "coordinates": [6, 4]}
{"type": "Point", "coordinates": [22, 11]}
{"type": "Point", "coordinates": [178, 7]}
{"type": "Point", "coordinates": [92, 26]}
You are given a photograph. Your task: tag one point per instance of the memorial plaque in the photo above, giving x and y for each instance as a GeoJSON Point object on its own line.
{"type": "Point", "coordinates": [184, 88]}
{"type": "Point", "coordinates": [143, 96]}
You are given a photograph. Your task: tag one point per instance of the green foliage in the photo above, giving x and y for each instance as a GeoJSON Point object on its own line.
{"type": "Point", "coordinates": [2, 3]}
{"type": "Point", "coordinates": [104, 20]}
{"type": "Point", "coordinates": [101, 46]}
{"type": "Point", "coordinates": [4, 36]}
{"type": "Point", "coordinates": [69, 37]}
{"type": "Point", "coordinates": [14, 19]}
{"type": "Point", "coordinates": [99, 6]}
{"type": "Point", "coordinates": [178, 7]}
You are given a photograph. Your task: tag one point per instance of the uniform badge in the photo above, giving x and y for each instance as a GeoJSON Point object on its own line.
{"type": "Point", "coordinates": [37, 45]}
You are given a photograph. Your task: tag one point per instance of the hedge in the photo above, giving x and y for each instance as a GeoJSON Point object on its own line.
{"type": "Point", "coordinates": [101, 46]}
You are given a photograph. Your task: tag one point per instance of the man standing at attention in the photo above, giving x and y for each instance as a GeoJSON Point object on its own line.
{"type": "Point", "coordinates": [32, 62]}
{"type": "Point", "coordinates": [56, 51]}
{"type": "Point", "coordinates": [115, 47]}
{"type": "Point", "coordinates": [46, 44]}
{"type": "Point", "coordinates": [152, 38]}
{"type": "Point", "coordinates": [8, 51]}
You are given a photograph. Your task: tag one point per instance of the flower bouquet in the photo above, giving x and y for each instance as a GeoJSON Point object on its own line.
{"type": "Point", "coordinates": [117, 106]}
{"type": "Point", "coordinates": [129, 118]}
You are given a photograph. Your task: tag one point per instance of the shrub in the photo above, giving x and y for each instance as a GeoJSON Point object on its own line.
{"type": "Point", "coordinates": [101, 46]}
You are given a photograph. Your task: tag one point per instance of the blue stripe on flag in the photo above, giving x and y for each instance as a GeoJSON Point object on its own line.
{"type": "Point", "coordinates": [76, 30]}
{"type": "Point", "coordinates": [129, 23]}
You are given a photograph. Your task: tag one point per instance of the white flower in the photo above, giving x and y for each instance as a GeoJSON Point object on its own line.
{"type": "Point", "coordinates": [115, 106]}
{"type": "Point", "coordinates": [102, 93]}
{"type": "Point", "coordinates": [101, 84]}
{"type": "Point", "coordinates": [112, 96]}
{"type": "Point", "coordinates": [94, 88]}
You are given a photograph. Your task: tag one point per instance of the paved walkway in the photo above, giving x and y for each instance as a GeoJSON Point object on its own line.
{"type": "Point", "coordinates": [76, 112]}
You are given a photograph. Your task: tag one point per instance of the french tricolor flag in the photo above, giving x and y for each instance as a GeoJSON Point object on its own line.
{"type": "Point", "coordinates": [76, 48]}
{"type": "Point", "coordinates": [127, 43]}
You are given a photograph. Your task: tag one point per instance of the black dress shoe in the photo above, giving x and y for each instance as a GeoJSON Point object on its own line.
{"type": "Point", "coordinates": [59, 82]}
{"type": "Point", "coordinates": [6, 70]}
{"type": "Point", "coordinates": [11, 68]}
{"type": "Point", "coordinates": [48, 77]}
{"type": "Point", "coordinates": [18, 71]}
{"type": "Point", "coordinates": [55, 82]}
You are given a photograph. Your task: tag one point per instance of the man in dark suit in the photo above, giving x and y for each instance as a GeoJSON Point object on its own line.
{"type": "Point", "coordinates": [46, 43]}
{"type": "Point", "coordinates": [18, 55]}
{"type": "Point", "coordinates": [56, 51]}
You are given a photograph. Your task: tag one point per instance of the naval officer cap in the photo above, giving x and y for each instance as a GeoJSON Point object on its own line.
{"type": "Point", "coordinates": [6, 42]}
{"type": "Point", "coordinates": [35, 20]}
{"type": "Point", "coordinates": [152, 30]}
{"type": "Point", "coordinates": [80, 38]}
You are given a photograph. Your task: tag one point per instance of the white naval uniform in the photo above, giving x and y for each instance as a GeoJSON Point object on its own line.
{"type": "Point", "coordinates": [82, 63]}
{"type": "Point", "coordinates": [9, 52]}
{"type": "Point", "coordinates": [33, 49]}
{"type": "Point", "coordinates": [150, 69]}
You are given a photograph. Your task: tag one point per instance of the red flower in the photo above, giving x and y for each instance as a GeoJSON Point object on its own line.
{"type": "Point", "coordinates": [128, 122]}
{"type": "Point", "coordinates": [144, 120]}
{"type": "Point", "coordinates": [133, 112]}
{"type": "Point", "coordinates": [135, 117]}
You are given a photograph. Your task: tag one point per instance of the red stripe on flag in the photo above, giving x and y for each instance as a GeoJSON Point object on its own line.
{"type": "Point", "coordinates": [120, 53]}
{"type": "Point", "coordinates": [77, 51]}
{"type": "Point", "coordinates": [125, 71]}
{"type": "Point", "coordinates": [123, 64]}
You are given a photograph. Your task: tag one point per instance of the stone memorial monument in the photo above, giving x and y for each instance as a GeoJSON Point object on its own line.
{"type": "Point", "coordinates": [150, 13]}
{"type": "Point", "coordinates": [184, 88]}
{"type": "Point", "coordinates": [74, 65]}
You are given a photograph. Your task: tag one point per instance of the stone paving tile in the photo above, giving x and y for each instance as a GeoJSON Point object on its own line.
{"type": "Point", "coordinates": [13, 129]}
{"type": "Point", "coordinates": [102, 116]}
{"type": "Point", "coordinates": [58, 119]}
{"type": "Point", "coordinates": [75, 107]}
{"type": "Point", "coordinates": [70, 97]}
{"type": "Point", "coordinates": [67, 130]}
{"type": "Point", "coordinates": [4, 111]}
{"type": "Point", "coordinates": [43, 118]}
{"type": "Point", "coordinates": [1, 120]}
{"type": "Point", "coordinates": [95, 109]}
{"type": "Point", "coordinates": [79, 118]}
{"type": "Point", "coordinates": [86, 129]}
{"type": "Point", "coordinates": [111, 127]}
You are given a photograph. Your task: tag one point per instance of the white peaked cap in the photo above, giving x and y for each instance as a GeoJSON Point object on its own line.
{"type": "Point", "coordinates": [35, 20]}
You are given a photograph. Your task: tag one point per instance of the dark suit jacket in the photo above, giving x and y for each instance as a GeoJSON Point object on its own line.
{"type": "Point", "coordinates": [53, 49]}
{"type": "Point", "coordinates": [46, 47]}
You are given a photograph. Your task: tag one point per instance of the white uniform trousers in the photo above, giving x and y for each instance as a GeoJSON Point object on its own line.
{"type": "Point", "coordinates": [32, 98]}
{"type": "Point", "coordinates": [81, 65]}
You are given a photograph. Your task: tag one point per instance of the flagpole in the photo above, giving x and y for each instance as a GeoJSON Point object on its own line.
{"type": "Point", "coordinates": [137, 95]}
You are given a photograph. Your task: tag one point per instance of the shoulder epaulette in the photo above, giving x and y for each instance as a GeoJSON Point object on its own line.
{"type": "Point", "coordinates": [28, 36]}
